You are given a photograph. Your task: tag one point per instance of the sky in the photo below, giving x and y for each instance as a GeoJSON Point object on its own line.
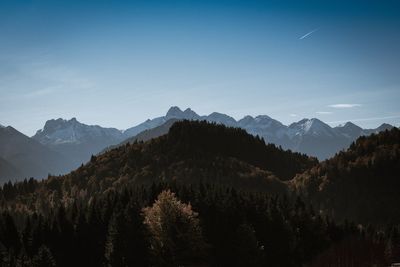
{"type": "Point", "coordinates": [118, 63]}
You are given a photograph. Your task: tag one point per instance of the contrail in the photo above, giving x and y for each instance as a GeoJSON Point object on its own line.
{"type": "Point", "coordinates": [308, 34]}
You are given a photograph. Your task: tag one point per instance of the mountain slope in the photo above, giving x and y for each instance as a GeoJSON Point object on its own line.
{"type": "Point", "coordinates": [314, 137]}
{"type": "Point", "coordinates": [172, 113]}
{"type": "Point", "coordinates": [30, 158]}
{"type": "Point", "coordinates": [361, 183]}
{"type": "Point", "coordinates": [191, 152]}
{"type": "Point", "coordinates": [75, 140]}
{"type": "Point", "coordinates": [350, 130]}
{"type": "Point", "coordinates": [8, 171]}
{"type": "Point", "coordinates": [146, 135]}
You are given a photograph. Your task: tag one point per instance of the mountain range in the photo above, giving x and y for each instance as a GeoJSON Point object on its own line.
{"type": "Point", "coordinates": [309, 136]}
{"type": "Point", "coordinates": [251, 200]}
{"type": "Point", "coordinates": [294, 208]}
{"type": "Point", "coordinates": [63, 145]}
{"type": "Point", "coordinates": [346, 186]}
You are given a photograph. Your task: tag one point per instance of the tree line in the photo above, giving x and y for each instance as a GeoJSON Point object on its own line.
{"type": "Point", "coordinates": [180, 225]}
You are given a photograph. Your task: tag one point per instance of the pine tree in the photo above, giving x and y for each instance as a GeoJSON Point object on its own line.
{"type": "Point", "coordinates": [9, 235]}
{"type": "Point", "coordinates": [114, 244]}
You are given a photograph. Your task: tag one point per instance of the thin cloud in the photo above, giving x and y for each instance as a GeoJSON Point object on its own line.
{"type": "Point", "coordinates": [293, 115]}
{"type": "Point", "coordinates": [344, 105]}
{"type": "Point", "coordinates": [308, 34]}
{"type": "Point", "coordinates": [41, 92]}
{"type": "Point", "coordinates": [324, 112]}
{"type": "Point", "coordinates": [368, 119]}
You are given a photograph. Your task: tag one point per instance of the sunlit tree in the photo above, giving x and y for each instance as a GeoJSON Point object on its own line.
{"type": "Point", "coordinates": [175, 233]}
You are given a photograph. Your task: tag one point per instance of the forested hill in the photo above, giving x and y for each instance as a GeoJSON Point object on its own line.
{"type": "Point", "coordinates": [360, 184]}
{"type": "Point", "coordinates": [204, 195]}
{"type": "Point", "coordinates": [192, 152]}
{"type": "Point", "coordinates": [190, 138]}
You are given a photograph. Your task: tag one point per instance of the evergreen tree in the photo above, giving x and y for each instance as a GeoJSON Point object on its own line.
{"type": "Point", "coordinates": [114, 245]}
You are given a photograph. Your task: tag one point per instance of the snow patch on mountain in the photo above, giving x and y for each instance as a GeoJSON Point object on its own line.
{"type": "Point", "coordinates": [62, 131]}
{"type": "Point", "coordinates": [312, 126]}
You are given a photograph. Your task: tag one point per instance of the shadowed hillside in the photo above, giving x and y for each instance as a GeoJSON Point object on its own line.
{"type": "Point", "coordinates": [192, 152]}
{"type": "Point", "coordinates": [226, 206]}
{"type": "Point", "coordinates": [361, 183]}
{"type": "Point", "coordinates": [28, 157]}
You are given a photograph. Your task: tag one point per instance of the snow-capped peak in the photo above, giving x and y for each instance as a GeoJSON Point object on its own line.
{"type": "Point", "coordinates": [72, 131]}
{"type": "Point", "coordinates": [310, 126]}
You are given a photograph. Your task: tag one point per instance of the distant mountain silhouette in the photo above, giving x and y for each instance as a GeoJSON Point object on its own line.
{"type": "Point", "coordinates": [310, 136]}
{"type": "Point", "coordinates": [28, 157]}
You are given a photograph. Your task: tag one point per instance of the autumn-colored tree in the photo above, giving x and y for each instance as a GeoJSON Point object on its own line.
{"type": "Point", "coordinates": [175, 234]}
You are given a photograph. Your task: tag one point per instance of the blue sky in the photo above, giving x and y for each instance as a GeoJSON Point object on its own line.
{"type": "Point", "coordinates": [115, 63]}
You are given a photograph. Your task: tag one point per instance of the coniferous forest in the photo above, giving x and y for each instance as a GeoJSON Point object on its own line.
{"type": "Point", "coordinates": [210, 195]}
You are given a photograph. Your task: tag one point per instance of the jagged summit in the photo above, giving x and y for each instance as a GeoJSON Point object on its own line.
{"type": "Point", "coordinates": [384, 126]}
{"type": "Point", "coordinates": [174, 111]}
{"type": "Point", "coordinates": [246, 119]}
{"type": "Point", "coordinates": [350, 124]}
{"type": "Point", "coordinates": [56, 124]}
{"type": "Point", "coordinates": [57, 131]}
{"type": "Point", "coordinates": [75, 140]}
{"type": "Point", "coordinates": [308, 124]}
{"type": "Point", "coordinates": [350, 129]}
{"type": "Point", "coordinates": [311, 127]}
{"type": "Point", "coordinates": [263, 118]}
{"type": "Point", "coordinates": [8, 130]}
{"type": "Point", "coordinates": [190, 114]}
{"type": "Point", "coordinates": [221, 118]}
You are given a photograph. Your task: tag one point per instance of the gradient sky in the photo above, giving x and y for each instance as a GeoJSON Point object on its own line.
{"type": "Point", "coordinates": [116, 64]}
